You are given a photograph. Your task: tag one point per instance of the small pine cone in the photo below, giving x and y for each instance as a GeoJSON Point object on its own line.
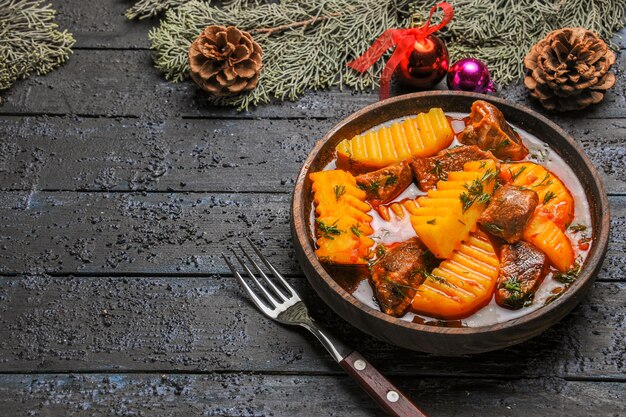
{"type": "Point", "coordinates": [225, 60]}
{"type": "Point", "coordinates": [569, 69]}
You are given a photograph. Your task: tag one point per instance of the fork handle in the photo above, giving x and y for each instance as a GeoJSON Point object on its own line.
{"type": "Point", "coordinates": [386, 395]}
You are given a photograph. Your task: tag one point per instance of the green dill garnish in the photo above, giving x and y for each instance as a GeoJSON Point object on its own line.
{"type": "Point", "coordinates": [461, 221]}
{"type": "Point", "coordinates": [449, 154]}
{"type": "Point", "coordinates": [433, 221]}
{"type": "Point", "coordinates": [542, 156]}
{"type": "Point", "coordinates": [552, 298]}
{"type": "Point", "coordinates": [370, 188]}
{"type": "Point", "coordinates": [328, 231]}
{"type": "Point", "coordinates": [482, 164]}
{"type": "Point", "coordinates": [381, 251]}
{"type": "Point", "coordinates": [493, 228]}
{"type": "Point", "coordinates": [569, 275]}
{"type": "Point", "coordinates": [391, 180]}
{"type": "Point", "coordinates": [438, 171]}
{"type": "Point", "coordinates": [544, 182]}
{"type": "Point", "coordinates": [503, 144]}
{"type": "Point", "coordinates": [339, 191]}
{"type": "Point", "coordinates": [578, 228]}
{"type": "Point", "coordinates": [475, 191]}
{"type": "Point", "coordinates": [549, 196]}
{"type": "Point", "coordinates": [355, 230]}
{"type": "Point", "coordinates": [517, 174]}
{"type": "Point", "coordinates": [512, 284]}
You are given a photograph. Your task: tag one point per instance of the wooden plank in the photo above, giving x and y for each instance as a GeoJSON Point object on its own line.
{"type": "Point", "coordinates": [67, 153]}
{"type": "Point", "coordinates": [168, 324]}
{"type": "Point", "coordinates": [107, 82]}
{"type": "Point", "coordinates": [69, 232]}
{"type": "Point", "coordinates": [129, 154]}
{"type": "Point", "coordinates": [102, 24]}
{"type": "Point", "coordinates": [303, 396]}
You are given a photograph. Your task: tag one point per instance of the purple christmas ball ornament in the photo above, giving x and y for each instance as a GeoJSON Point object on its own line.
{"type": "Point", "coordinates": [470, 74]}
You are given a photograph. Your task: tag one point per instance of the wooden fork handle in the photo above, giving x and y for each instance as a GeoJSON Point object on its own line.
{"type": "Point", "coordinates": [386, 395]}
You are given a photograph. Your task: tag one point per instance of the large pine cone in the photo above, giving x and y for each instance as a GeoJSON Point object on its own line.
{"type": "Point", "coordinates": [569, 69]}
{"type": "Point", "coordinates": [225, 60]}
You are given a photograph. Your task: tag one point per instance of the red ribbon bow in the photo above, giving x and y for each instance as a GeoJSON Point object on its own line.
{"type": "Point", "coordinates": [403, 40]}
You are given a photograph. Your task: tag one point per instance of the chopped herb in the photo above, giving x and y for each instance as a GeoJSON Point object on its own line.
{"type": "Point", "coordinates": [438, 171]}
{"type": "Point", "coordinates": [578, 228]}
{"type": "Point", "coordinates": [542, 156]}
{"type": "Point", "coordinates": [482, 164]}
{"type": "Point", "coordinates": [512, 284]}
{"type": "Point", "coordinates": [493, 228]}
{"type": "Point", "coordinates": [549, 196]}
{"type": "Point", "coordinates": [552, 298]}
{"type": "Point", "coordinates": [517, 174]}
{"type": "Point", "coordinates": [355, 230]}
{"type": "Point", "coordinates": [339, 191]}
{"type": "Point", "coordinates": [461, 221]}
{"type": "Point", "coordinates": [381, 251]}
{"type": "Point", "coordinates": [503, 144]}
{"type": "Point", "coordinates": [391, 180]}
{"type": "Point", "coordinates": [370, 188]}
{"type": "Point", "coordinates": [569, 275]}
{"type": "Point", "coordinates": [383, 233]}
{"type": "Point", "coordinates": [449, 154]}
{"type": "Point", "coordinates": [544, 182]}
{"type": "Point", "coordinates": [433, 221]}
{"type": "Point", "coordinates": [328, 231]}
{"type": "Point", "coordinates": [475, 191]}
{"type": "Point", "coordinates": [398, 284]}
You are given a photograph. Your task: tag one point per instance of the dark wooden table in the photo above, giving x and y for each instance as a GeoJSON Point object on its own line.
{"type": "Point", "coordinates": [120, 190]}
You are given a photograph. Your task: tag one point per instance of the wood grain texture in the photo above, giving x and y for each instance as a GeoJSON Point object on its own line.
{"type": "Point", "coordinates": [125, 83]}
{"type": "Point", "coordinates": [167, 233]}
{"type": "Point", "coordinates": [169, 324]}
{"type": "Point", "coordinates": [303, 396]}
{"type": "Point", "coordinates": [75, 154]}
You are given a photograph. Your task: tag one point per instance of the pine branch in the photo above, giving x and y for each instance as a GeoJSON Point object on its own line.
{"type": "Point", "coordinates": [306, 44]}
{"type": "Point", "coordinates": [149, 8]}
{"type": "Point", "coordinates": [29, 40]}
{"type": "Point", "coordinates": [304, 24]}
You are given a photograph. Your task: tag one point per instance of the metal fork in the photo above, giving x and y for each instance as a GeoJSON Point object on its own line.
{"type": "Point", "coordinates": [284, 305]}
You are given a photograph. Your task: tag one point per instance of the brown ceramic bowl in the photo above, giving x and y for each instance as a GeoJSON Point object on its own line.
{"type": "Point", "coordinates": [443, 340]}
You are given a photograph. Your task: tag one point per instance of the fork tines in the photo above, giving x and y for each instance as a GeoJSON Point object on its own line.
{"type": "Point", "coordinates": [274, 300]}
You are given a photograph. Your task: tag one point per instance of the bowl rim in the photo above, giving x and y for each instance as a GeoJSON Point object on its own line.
{"type": "Point", "coordinates": [591, 266]}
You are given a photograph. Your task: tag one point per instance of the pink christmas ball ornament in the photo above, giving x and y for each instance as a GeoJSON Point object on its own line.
{"type": "Point", "coordinates": [470, 74]}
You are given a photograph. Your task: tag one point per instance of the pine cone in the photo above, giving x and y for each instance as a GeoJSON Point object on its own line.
{"type": "Point", "coordinates": [225, 60]}
{"type": "Point", "coordinates": [569, 69]}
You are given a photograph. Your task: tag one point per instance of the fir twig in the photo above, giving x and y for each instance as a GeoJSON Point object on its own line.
{"type": "Point", "coordinates": [29, 40]}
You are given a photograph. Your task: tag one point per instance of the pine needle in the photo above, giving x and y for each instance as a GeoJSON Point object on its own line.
{"type": "Point", "coordinates": [29, 40]}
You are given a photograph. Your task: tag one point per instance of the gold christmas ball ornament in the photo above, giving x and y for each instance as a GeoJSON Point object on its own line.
{"type": "Point", "coordinates": [225, 61]}
{"type": "Point", "coordinates": [569, 69]}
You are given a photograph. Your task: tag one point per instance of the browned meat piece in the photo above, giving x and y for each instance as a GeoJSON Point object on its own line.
{"type": "Point", "coordinates": [508, 212]}
{"type": "Point", "coordinates": [385, 184]}
{"type": "Point", "coordinates": [522, 269]}
{"type": "Point", "coordinates": [488, 129]}
{"type": "Point", "coordinates": [427, 171]}
{"type": "Point", "coordinates": [398, 274]}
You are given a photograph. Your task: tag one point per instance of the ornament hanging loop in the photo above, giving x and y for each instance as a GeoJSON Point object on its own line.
{"type": "Point", "coordinates": [402, 39]}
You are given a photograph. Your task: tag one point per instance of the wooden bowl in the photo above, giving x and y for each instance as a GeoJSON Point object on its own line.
{"type": "Point", "coordinates": [434, 339]}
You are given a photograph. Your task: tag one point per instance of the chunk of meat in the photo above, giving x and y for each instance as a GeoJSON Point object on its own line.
{"type": "Point", "coordinates": [427, 171]}
{"type": "Point", "coordinates": [522, 269]}
{"type": "Point", "coordinates": [488, 129]}
{"type": "Point", "coordinates": [509, 211]}
{"type": "Point", "coordinates": [398, 273]}
{"type": "Point", "coordinates": [385, 184]}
